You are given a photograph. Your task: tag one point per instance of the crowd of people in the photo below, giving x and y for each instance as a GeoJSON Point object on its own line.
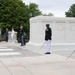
{"type": "Point", "coordinates": [22, 36]}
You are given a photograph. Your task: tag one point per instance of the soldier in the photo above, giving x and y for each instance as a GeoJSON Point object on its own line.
{"type": "Point", "coordinates": [48, 34]}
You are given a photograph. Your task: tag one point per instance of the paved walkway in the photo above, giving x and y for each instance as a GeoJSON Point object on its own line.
{"type": "Point", "coordinates": [14, 51]}
{"type": "Point", "coordinates": [16, 60]}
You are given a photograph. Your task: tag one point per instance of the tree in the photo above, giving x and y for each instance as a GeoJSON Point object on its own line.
{"type": "Point", "coordinates": [71, 11]}
{"type": "Point", "coordinates": [33, 10]}
{"type": "Point", "coordinates": [49, 14]}
{"type": "Point", "coordinates": [14, 13]}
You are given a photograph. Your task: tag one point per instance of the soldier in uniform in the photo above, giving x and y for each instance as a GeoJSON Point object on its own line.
{"type": "Point", "coordinates": [48, 34]}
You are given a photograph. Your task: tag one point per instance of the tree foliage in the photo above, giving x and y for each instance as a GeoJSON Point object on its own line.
{"type": "Point", "coordinates": [49, 14]}
{"type": "Point", "coordinates": [71, 11]}
{"type": "Point", "coordinates": [14, 13]}
{"type": "Point", "coordinates": [33, 10]}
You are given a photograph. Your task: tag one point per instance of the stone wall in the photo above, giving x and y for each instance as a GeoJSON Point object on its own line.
{"type": "Point", "coordinates": [63, 30]}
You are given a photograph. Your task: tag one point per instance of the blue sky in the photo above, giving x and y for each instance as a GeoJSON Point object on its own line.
{"type": "Point", "coordinates": [57, 7]}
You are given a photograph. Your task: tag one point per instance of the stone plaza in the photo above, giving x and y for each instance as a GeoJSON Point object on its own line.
{"type": "Point", "coordinates": [17, 60]}
{"type": "Point", "coordinates": [29, 60]}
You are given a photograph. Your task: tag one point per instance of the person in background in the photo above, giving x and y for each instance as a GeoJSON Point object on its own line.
{"type": "Point", "coordinates": [12, 35]}
{"type": "Point", "coordinates": [21, 35]}
{"type": "Point", "coordinates": [24, 38]}
{"type": "Point", "coordinates": [48, 34]}
{"type": "Point", "coordinates": [6, 34]}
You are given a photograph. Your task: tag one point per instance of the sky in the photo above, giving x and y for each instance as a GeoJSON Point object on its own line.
{"type": "Point", "coordinates": [56, 7]}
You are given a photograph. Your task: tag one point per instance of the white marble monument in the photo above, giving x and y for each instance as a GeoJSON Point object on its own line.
{"type": "Point", "coordinates": [63, 32]}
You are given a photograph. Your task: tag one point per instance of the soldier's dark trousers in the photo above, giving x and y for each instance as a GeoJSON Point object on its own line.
{"type": "Point", "coordinates": [6, 38]}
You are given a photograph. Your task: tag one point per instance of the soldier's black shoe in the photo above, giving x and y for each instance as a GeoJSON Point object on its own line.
{"type": "Point", "coordinates": [47, 53]}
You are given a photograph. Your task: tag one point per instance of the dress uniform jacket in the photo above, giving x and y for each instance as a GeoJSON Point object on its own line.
{"type": "Point", "coordinates": [48, 33]}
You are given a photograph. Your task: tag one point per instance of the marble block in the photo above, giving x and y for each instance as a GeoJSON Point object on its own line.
{"type": "Point", "coordinates": [63, 31]}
